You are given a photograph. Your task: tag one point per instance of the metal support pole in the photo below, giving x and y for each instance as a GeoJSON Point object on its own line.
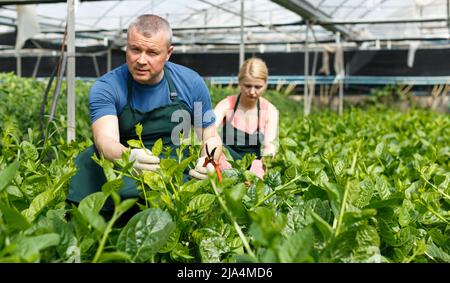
{"type": "Point", "coordinates": [36, 66]}
{"type": "Point", "coordinates": [341, 73]}
{"type": "Point", "coordinates": [70, 70]}
{"type": "Point", "coordinates": [242, 43]}
{"type": "Point", "coordinates": [96, 68]}
{"type": "Point", "coordinates": [306, 109]}
{"type": "Point", "coordinates": [18, 64]}
{"type": "Point", "coordinates": [108, 60]}
{"type": "Point", "coordinates": [448, 17]}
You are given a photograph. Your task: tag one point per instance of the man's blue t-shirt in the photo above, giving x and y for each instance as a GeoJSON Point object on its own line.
{"type": "Point", "coordinates": [108, 95]}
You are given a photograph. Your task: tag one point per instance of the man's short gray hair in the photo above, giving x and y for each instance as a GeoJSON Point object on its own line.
{"type": "Point", "coordinates": [148, 25]}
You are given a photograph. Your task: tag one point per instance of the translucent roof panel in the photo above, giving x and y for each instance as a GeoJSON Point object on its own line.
{"type": "Point", "coordinates": [217, 22]}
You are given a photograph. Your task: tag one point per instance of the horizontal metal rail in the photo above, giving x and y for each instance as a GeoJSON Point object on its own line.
{"type": "Point", "coordinates": [352, 80]}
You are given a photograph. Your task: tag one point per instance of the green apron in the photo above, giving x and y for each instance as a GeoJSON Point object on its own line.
{"type": "Point", "coordinates": [156, 124]}
{"type": "Point", "coordinates": [243, 143]}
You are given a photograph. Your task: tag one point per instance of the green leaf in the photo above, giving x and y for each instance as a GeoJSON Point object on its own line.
{"type": "Point", "coordinates": [145, 234]}
{"type": "Point", "coordinates": [169, 166]}
{"type": "Point", "coordinates": [407, 213]}
{"type": "Point", "coordinates": [134, 143]}
{"type": "Point", "coordinates": [356, 215]}
{"type": "Point", "coordinates": [339, 167]}
{"type": "Point", "coordinates": [201, 203]}
{"type": "Point", "coordinates": [14, 191]}
{"type": "Point", "coordinates": [112, 186]}
{"type": "Point", "coordinates": [125, 205]}
{"type": "Point", "coordinates": [324, 228]}
{"type": "Point", "coordinates": [30, 150]}
{"type": "Point", "coordinates": [233, 200]}
{"type": "Point", "coordinates": [38, 204]}
{"type": "Point", "coordinates": [291, 158]}
{"type": "Point", "coordinates": [290, 173]}
{"type": "Point", "coordinates": [247, 161]}
{"type": "Point", "coordinates": [259, 191]}
{"type": "Point", "coordinates": [139, 129]}
{"type": "Point", "coordinates": [67, 248]}
{"type": "Point", "coordinates": [114, 257]}
{"type": "Point", "coordinates": [365, 194]}
{"type": "Point", "coordinates": [367, 236]}
{"type": "Point", "coordinates": [157, 147]}
{"type": "Point", "coordinates": [379, 149]}
{"type": "Point", "coordinates": [267, 225]}
{"type": "Point", "coordinates": [185, 162]}
{"type": "Point", "coordinates": [212, 245]}
{"type": "Point", "coordinates": [297, 247]}
{"type": "Point", "coordinates": [153, 180]}
{"type": "Point", "coordinates": [90, 207]}
{"type": "Point", "coordinates": [193, 186]}
{"type": "Point", "coordinates": [436, 253]}
{"type": "Point", "coordinates": [13, 218]}
{"type": "Point", "coordinates": [288, 142]}
{"type": "Point", "coordinates": [180, 253]}
{"type": "Point", "coordinates": [171, 242]}
{"type": "Point", "coordinates": [437, 236]}
{"type": "Point", "coordinates": [7, 175]}
{"type": "Point", "coordinates": [107, 166]}
{"type": "Point", "coordinates": [382, 187]}
{"type": "Point", "coordinates": [29, 247]}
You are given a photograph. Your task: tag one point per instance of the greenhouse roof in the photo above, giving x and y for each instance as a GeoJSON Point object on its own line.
{"type": "Point", "coordinates": [268, 25]}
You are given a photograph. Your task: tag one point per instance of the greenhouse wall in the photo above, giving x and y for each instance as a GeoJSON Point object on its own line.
{"type": "Point", "coordinates": [427, 62]}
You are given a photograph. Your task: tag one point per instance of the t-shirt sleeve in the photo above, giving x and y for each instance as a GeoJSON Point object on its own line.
{"type": "Point", "coordinates": [101, 100]}
{"type": "Point", "coordinates": [206, 116]}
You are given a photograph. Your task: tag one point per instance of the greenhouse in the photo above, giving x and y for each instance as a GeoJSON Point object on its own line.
{"type": "Point", "coordinates": [225, 131]}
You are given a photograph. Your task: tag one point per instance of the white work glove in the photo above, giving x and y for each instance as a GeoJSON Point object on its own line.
{"type": "Point", "coordinates": [144, 160]}
{"type": "Point", "coordinates": [200, 172]}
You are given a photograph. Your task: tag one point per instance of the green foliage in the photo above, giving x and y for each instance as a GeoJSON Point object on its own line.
{"type": "Point", "coordinates": [367, 186]}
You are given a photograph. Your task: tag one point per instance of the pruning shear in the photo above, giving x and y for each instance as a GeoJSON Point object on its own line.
{"type": "Point", "coordinates": [210, 159]}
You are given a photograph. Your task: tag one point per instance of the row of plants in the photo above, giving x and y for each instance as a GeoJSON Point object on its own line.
{"type": "Point", "coordinates": [371, 185]}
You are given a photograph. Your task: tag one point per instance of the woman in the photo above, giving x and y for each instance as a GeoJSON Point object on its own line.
{"type": "Point", "coordinates": [248, 121]}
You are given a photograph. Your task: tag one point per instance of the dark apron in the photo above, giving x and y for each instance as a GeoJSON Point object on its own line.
{"type": "Point", "coordinates": [156, 124]}
{"type": "Point", "coordinates": [243, 143]}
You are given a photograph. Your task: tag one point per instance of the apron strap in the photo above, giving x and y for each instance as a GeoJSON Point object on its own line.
{"type": "Point", "coordinates": [258, 143]}
{"type": "Point", "coordinates": [172, 92]}
{"type": "Point", "coordinates": [258, 107]}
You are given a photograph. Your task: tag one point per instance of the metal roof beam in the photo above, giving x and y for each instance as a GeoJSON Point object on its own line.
{"type": "Point", "coordinates": [311, 13]}
{"type": "Point", "coordinates": [27, 2]}
{"type": "Point", "coordinates": [49, 28]}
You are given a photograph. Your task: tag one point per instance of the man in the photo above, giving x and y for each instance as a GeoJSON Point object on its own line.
{"type": "Point", "coordinates": [149, 90]}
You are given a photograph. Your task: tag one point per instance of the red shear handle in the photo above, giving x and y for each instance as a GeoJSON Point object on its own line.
{"type": "Point", "coordinates": [219, 173]}
{"type": "Point", "coordinates": [216, 167]}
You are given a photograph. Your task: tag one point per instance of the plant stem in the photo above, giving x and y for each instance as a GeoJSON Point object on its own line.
{"type": "Point", "coordinates": [230, 216]}
{"type": "Point", "coordinates": [277, 189]}
{"type": "Point", "coordinates": [342, 211]}
{"type": "Point", "coordinates": [434, 187]}
{"type": "Point", "coordinates": [438, 215]}
{"type": "Point", "coordinates": [355, 156]}
{"type": "Point", "coordinates": [174, 190]}
{"type": "Point", "coordinates": [104, 237]}
{"type": "Point", "coordinates": [143, 190]}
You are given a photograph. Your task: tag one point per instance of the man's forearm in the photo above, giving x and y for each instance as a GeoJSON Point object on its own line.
{"type": "Point", "coordinates": [110, 148]}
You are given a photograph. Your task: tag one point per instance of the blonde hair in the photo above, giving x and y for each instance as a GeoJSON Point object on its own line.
{"type": "Point", "coordinates": [255, 68]}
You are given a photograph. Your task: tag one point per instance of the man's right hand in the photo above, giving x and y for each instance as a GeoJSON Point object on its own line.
{"type": "Point", "coordinates": [200, 172]}
{"type": "Point", "coordinates": [144, 160]}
